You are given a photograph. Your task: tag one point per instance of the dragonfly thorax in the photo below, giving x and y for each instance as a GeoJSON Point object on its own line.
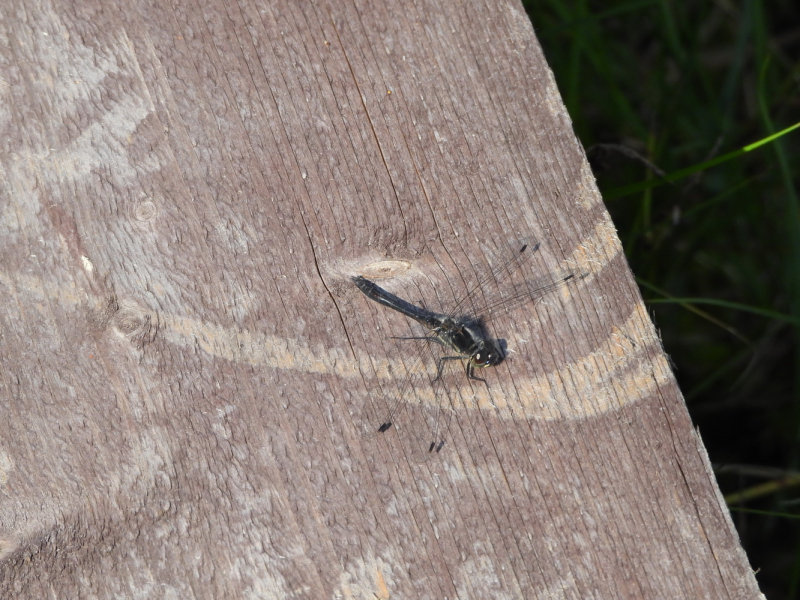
{"type": "Point", "coordinates": [469, 339]}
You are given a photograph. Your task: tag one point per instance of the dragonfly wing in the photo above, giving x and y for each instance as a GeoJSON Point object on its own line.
{"type": "Point", "coordinates": [503, 302]}
{"type": "Point", "coordinates": [511, 261]}
{"type": "Point", "coordinates": [407, 402]}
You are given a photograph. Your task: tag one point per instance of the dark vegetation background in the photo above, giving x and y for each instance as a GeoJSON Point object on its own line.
{"type": "Point", "coordinates": [675, 84]}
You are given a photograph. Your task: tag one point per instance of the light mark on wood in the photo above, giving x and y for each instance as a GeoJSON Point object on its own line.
{"type": "Point", "coordinates": [372, 570]}
{"type": "Point", "coordinates": [597, 250]}
{"type": "Point", "coordinates": [619, 372]}
{"type": "Point", "coordinates": [384, 269]}
{"type": "Point", "coordinates": [6, 467]}
{"type": "Point", "coordinates": [101, 140]}
{"type": "Point", "coordinates": [7, 545]}
{"type": "Point", "coordinates": [627, 366]}
{"type": "Point", "coordinates": [87, 264]}
{"type": "Point", "coordinates": [587, 193]}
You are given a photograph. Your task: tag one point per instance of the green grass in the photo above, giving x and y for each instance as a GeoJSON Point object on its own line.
{"type": "Point", "coordinates": [700, 90]}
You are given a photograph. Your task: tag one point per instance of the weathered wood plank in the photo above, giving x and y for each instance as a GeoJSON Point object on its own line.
{"type": "Point", "coordinates": [188, 373]}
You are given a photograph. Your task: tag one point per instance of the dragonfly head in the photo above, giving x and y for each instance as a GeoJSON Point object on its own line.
{"type": "Point", "coordinates": [488, 355]}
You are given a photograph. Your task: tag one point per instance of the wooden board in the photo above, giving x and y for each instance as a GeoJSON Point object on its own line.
{"type": "Point", "coordinates": [186, 366]}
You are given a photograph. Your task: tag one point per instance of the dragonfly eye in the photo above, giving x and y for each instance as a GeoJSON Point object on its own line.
{"type": "Point", "coordinates": [488, 356]}
{"type": "Point", "coordinates": [484, 358]}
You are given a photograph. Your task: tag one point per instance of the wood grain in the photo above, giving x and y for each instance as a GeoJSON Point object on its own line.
{"type": "Point", "coordinates": [186, 367]}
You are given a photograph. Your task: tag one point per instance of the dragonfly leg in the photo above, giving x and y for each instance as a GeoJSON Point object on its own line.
{"type": "Point", "coordinates": [470, 369]}
{"type": "Point", "coordinates": [440, 366]}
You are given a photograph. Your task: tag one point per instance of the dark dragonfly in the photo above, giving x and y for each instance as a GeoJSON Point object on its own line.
{"type": "Point", "coordinates": [463, 334]}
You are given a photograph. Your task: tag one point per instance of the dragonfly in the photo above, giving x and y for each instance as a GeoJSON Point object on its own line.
{"type": "Point", "coordinates": [461, 331]}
